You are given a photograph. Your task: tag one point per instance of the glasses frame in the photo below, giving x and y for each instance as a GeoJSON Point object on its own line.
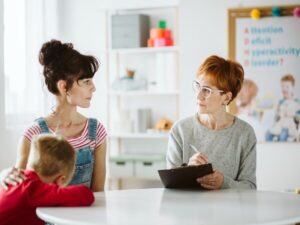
{"type": "Point", "coordinates": [199, 89]}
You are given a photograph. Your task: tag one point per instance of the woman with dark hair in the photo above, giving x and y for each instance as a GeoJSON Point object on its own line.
{"type": "Point", "coordinates": [213, 135]}
{"type": "Point", "coordinates": [69, 76]}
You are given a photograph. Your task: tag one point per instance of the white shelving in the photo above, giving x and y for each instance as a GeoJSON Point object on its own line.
{"type": "Point", "coordinates": [142, 93]}
{"type": "Point", "coordinates": [140, 135]}
{"type": "Point", "coordinates": [145, 50]}
{"type": "Point", "coordinates": [159, 67]}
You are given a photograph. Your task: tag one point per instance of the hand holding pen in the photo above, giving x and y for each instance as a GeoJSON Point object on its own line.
{"type": "Point", "coordinates": [198, 158]}
{"type": "Point", "coordinates": [211, 181]}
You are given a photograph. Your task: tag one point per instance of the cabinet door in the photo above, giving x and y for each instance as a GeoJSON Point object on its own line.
{"type": "Point", "coordinates": [121, 168]}
{"type": "Point", "coordinates": [147, 169]}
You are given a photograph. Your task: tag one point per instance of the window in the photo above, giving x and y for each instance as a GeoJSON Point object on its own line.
{"type": "Point", "coordinates": [24, 32]}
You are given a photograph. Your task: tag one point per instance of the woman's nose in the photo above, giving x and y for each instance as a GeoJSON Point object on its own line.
{"type": "Point", "coordinates": [200, 95]}
{"type": "Point", "coordinates": [93, 88]}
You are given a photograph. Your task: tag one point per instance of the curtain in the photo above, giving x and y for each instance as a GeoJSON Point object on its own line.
{"type": "Point", "coordinates": [28, 24]}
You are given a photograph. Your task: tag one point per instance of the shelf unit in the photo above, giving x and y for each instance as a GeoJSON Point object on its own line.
{"type": "Point", "coordinates": [142, 93]}
{"type": "Point", "coordinates": [140, 135]}
{"type": "Point", "coordinates": [135, 154]}
{"type": "Point", "coordinates": [145, 50]}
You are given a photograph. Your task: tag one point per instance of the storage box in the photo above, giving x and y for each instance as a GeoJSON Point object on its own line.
{"type": "Point", "coordinates": [121, 167]}
{"type": "Point", "coordinates": [130, 31]}
{"type": "Point", "coordinates": [146, 167]}
{"type": "Point", "coordinates": [142, 120]}
{"type": "Point", "coordinates": [136, 166]}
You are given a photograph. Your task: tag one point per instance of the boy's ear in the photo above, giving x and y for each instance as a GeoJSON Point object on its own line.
{"type": "Point", "coordinates": [61, 86]}
{"type": "Point", "coordinates": [60, 180]}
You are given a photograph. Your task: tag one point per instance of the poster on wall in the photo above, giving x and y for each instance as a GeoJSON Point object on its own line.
{"type": "Point", "coordinates": [269, 50]}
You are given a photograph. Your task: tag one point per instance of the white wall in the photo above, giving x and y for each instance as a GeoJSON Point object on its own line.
{"type": "Point", "coordinates": [1, 84]}
{"type": "Point", "coordinates": [83, 24]}
{"type": "Point", "coordinates": [9, 143]}
{"type": "Point", "coordinates": [203, 32]}
{"type": "Point", "coordinates": [278, 166]}
{"type": "Point", "coordinates": [1, 69]}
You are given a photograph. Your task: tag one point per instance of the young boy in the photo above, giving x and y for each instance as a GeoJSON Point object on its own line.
{"type": "Point", "coordinates": [52, 162]}
{"type": "Point", "coordinates": [285, 126]}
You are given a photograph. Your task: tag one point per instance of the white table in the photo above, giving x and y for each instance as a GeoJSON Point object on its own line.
{"type": "Point", "coordinates": [169, 206]}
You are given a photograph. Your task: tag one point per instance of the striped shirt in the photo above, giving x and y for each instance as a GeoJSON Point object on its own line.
{"type": "Point", "coordinates": [77, 142]}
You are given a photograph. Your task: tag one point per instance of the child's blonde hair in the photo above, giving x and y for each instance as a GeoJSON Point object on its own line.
{"type": "Point", "coordinates": [52, 154]}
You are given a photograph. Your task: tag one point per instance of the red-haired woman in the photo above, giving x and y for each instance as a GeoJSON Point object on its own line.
{"type": "Point", "coordinates": [218, 137]}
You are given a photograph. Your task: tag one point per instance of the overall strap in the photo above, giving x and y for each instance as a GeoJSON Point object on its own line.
{"type": "Point", "coordinates": [92, 129]}
{"type": "Point", "coordinates": [43, 125]}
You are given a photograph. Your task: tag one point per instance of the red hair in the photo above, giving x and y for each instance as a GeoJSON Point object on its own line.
{"type": "Point", "coordinates": [225, 74]}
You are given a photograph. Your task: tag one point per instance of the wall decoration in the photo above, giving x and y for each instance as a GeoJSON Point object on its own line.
{"type": "Point", "coordinates": [269, 50]}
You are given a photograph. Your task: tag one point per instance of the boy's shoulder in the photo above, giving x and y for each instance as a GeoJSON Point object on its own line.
{"type": "Point", "coordinates": [19, 190]}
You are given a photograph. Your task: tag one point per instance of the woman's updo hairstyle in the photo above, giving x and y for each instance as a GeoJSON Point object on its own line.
{"type": "Point", "coordinates": [62, 62]}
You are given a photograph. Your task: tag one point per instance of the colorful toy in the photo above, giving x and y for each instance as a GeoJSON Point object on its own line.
{"type": "Point", "coordinates": [160, 36]}
{"type": "Point", "coordinates": [163, 124]}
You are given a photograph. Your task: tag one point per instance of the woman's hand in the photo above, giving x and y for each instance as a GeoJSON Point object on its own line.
{"type": "Point", "coordinates": [11, 176]}
{"type": "Point", "coordinates": [212, 181]}
{"type": "Point", "coordinates": [198, 159]}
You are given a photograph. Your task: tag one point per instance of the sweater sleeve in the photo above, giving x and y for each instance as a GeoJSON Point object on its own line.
{"type": "Point", "coordinates": [246, 178]}
{"type": "Point", "coordinates": [44, 194]}
{"type": "Point", "coordinates": [174, 153]}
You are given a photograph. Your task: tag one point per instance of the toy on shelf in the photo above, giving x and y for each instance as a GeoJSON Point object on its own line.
{"type": "Point", "coordinates": [163, 124]}
{"type": "Point", "coordinates": [161, 36]}
{"type": "Point", "coordinates": [129, 82]}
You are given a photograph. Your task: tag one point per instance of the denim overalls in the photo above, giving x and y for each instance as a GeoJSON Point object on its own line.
{"type": "Point", "coordinates": [84, 156]}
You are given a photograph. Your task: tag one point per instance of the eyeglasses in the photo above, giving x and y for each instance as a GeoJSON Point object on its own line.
{"type": "Point", "coordinates": [203, 90]}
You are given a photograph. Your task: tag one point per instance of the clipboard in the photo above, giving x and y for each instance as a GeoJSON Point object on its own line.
{"type": "Point", "coordinates": [184, 176]}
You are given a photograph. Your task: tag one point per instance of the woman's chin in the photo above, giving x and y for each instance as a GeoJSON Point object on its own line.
{"type": "Point", "coordinates": [201, 110]}
{"type": "Point", "coordinates": [85, 106]}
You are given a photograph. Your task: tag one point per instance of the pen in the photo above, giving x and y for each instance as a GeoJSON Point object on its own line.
{"type": "Point", "coordinates": [196, 151]}
{"type": "Point", "coordinates": [194, 148]}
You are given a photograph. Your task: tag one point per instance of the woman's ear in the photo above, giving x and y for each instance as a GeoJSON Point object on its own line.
{"type": "Point", "coordinates": [62, 87]}
{"type": "Point", "coordinates": [227, 98]}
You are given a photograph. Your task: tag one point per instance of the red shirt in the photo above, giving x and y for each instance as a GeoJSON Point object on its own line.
{"type": "Point", "coordinates": [18, 204]}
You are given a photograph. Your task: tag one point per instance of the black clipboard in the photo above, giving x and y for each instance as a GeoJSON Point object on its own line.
{"type": "Point", "coordinates": [184, 176]}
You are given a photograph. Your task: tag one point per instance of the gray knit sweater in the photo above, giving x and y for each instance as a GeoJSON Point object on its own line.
{"type": "Point", "coordinates": [231, 150]}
